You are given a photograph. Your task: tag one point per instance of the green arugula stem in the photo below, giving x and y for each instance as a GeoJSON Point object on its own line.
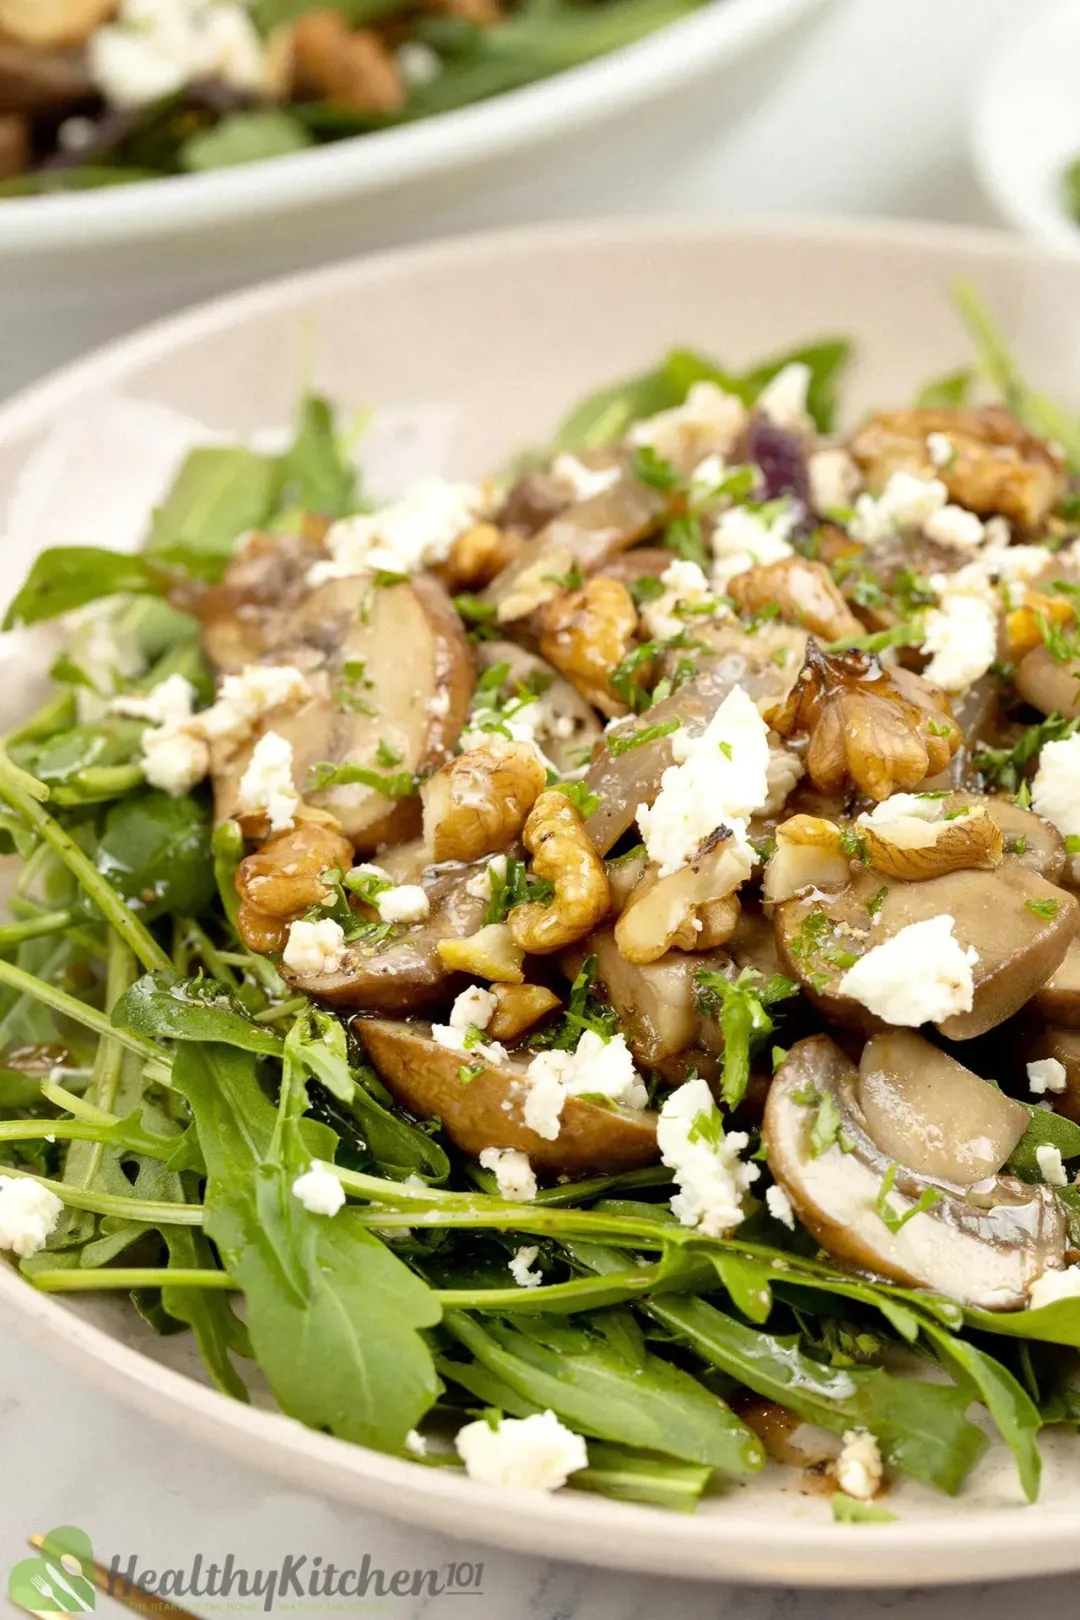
{"type": "Point", "coordinates": [59, 1000]}
{"type": "Point", "coordinates": [78, 1107]}
{"type": "Point", "coordinates": [516, 1298]}
{"type": "Point", "coordinates": [24, 793]}
{"type": "Point", "coordinates": [208, 953]}
{"type": "Point", "coordinates": [108, 1061]}
{"type": "Point", "coordinates": [98, 783]}
{"type": "Point", "coordinates": [150, 1211]}
{"type": "Point", "coordinates": [285, 1009]}
{"type": "Point", "coordinates": [48, 922]}
{"type": "Point", "coordinates": [528, 1218]}
{"type": "Point", "coordinates": [96, 1278]}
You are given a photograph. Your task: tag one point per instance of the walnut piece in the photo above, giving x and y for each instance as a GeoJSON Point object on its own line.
{"type": "Point", "coordinates": [562, 853]}
{"type": "Point", "coordinates": [885, 730]}
{"type": "Point", "coordinates": [349, 67]}
{"type": "Point", "coordinates": [517, 1008]}
{"type": "Point", "coordinates": [282, 879]}
{"type": "Point", "coordinates": [491, 953]}
{"type": "Point", "coordinates": [805, 593]}
{"type": "Point", "coordinates": [585, 633]}
{"type": "Point", "coordinates": [476, 804]}
{"type": "Point", "coordinates": [477, 556]}
{"type": "Point", "coordinates": [53, 24]}
{"type": "Point", "coordinates": [996, 465]}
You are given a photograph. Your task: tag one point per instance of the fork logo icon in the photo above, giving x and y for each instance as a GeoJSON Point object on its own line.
{"type": "Point", "coordinates": [54, 1582]}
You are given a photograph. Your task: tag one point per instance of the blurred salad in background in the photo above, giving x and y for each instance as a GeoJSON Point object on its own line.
{"type": "Point", "coordinates": [96, 93]}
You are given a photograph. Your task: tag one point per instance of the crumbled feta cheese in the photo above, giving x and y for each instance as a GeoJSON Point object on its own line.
{"type": "Point", "coordinates": [835, 480]}
{"type": "Point", "coordinates": [536, 1453]}
{"type": "Point", "coordinates": [783, 399]}
{"type": "Point", "coordinates": [907, 502]}
{"type": "Point", "coordinates": [404, 903]}
{"type": "Point", "coordinates": [482, 886]}
{"type": "Point", "coordinates": [779, 1205]}
{"type": "Point", "coordinates": [712, 1179]}
{"type": "Point", "coordinates": [1052, 1286]}
{"type": "Point", "coordinates": [686, 587]}
{"type": "Point", "coordinates": [257, 691]}
{"type": "Point", "coordinates": [708, 422]}
{"type": "Point", "coordinates": [474, 1008]}
{"type": "Point", "coordinates": [783, 772]}
{"type": "Point", "coordinates": [961, 636]}
{"type": "Point", "coordinates": [859, 1467]}
{"type": "Point", "coordinates": [1015, 566]}
{"type": "Point", "coordinates": [156, 47]}
{"type": "Point", "coordinates": [319, 1190]}
{"type": "Point", "coordinates": [939, 447]}
{"type": "Point", "coordinates": [417, 63]}
{"type": "Point", "coordinates": [267, 784]}
{"type": "Point", "coordinates": [415, 532]}
{"type": "Point", "coordinates": [314, 947]}
{"type": "Point", "coordinates": [1055, 789]}
{"type": "Point", "coordinates": [742, 539]}
{"type": "Point", "coordinates": [168, 703]}
{"type": "Point", "coordinates": [512, 1172]}
{"type": "Point", "coordinates": [1051, 1168]}
{"type": "Point", "coordinates": [719, 779]}
{"type": "Point", "coordinates": [521, 1267]}
{"type": "Point", "coordinates": [416, 1443]}
{"type": "Point", "coordinates": [438, 706]}
{"type": "Point", "coordinates": [584, 482]}
{"type": "Point", "coordinates": [919, 976]}
{"type": "Point", "coordinates": [174, 758]}
{"type": "Point", "coordinates": [28, 1215]}
{"type": "Point", "coordinates": [595, 1065]}
{"type": "Point", "coordinates": [955, 526]}
{"type": "Point", "coordinates": [460, 1038]}
{"type": "Point", "coordinates": [900, 806]}
{"type": "Point", "coordinates": [1046, 1074]}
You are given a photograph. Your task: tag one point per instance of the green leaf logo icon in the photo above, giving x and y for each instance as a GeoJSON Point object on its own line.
{"type": "Point", "coordinates": [54, 1582]}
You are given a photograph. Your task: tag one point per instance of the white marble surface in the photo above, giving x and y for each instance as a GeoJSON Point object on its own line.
{"type": "Point", "coordinates": [869, 119]}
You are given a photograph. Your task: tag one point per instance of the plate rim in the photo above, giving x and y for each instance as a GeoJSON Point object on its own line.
{"type": "Point", "coordinates": [593, 1530]}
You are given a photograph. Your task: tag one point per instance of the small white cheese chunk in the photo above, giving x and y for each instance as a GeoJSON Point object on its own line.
{"type": "Point", "coordinates": [742, 539]}
{"type": "Point", "coordinates": [835, 480]}
{"type": "Point", "coordinates": [685, 588]}
{"type": "Point", "coordinates": [708, 422]}
{"type": "Point", "coordinates": [779, 1206]}
{"type": "Point", "coordinates": [1051, 1168]}
{"type": "Point", "coordinates": [713, 1180]}
{"type": "Point", "coordinates": [249, 696]}
{"type": "Point", "coordinates": [859, 1467]}
{"type": "Point", "coordinates": [720, 779]}
{"type": "Point", "coordinates": [1046, 1074]}
{"type": "Point", "coordinates": [939, 447]}
{"type": "Point", "coordinates": [521, 1267]}
{"type": "Point", "coordinates": [174, 759]}
{"type": "Point", "coordinates": [482, 886]}
{"type": "Point", "coordinates": [474, 1008]}
{"type": "Point", "coordinates": [512, 1172]}
{"type": "Point", "coordinates": [961, 636]}
{"type": "Point", "coordinates": [156, 47]}
{"type": "Point", "coordinates": [416, 1443]}
{"type": "Point", "coordinates": [413, 533]}
{"type": "Point", "coordinates": [783, 399]}
{"type": "Point", "coordinates": [603, 1067]}
{"type": "Point", "coordinates": [584, 482]}
{"type": "Point", "coordinates": [1055, 789]}
{"type": "Point", "coordinates": [418, 64]}
{"type": "Point", "coordinates": [319, 1190]}
{"type": "Point", "coordinates": [906, 503]}
{"type": "Point", "coordinates": [404, 903]}
{"type": "Point", "coordinates": [314, 947]}
{"type": "Point", "coordinates": [1052, 1286]}
{"type": "Point", "coordinates": [168, 703]}
{"type": "Point", "coordinates": [536, 1453]}
{"type": "Point", "coordinates": [267, 784]}
{"type": "Point", "coordinates": [919, 976]}
{"type": "Point", "coordinates": [955, 526]}
{"type": "Point", "coordinates": [29, 1213]}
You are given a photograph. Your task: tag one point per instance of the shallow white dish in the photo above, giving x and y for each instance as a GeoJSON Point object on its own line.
{"type": "Point", "coordinates": [1025, 126]}
{"type": "Point", "coordinates": [498, 334]}
{"type": "Point", "coordinates": [79, 269]}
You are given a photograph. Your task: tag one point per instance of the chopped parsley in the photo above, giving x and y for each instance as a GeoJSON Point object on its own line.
{"type": "Point", "coordinates": [739, 1008]}
{"type": "Point", "coordinates": [354, 682]}
{"type": "Point", "coordinates": [401, 785]}
{"type": "Point", "coordinates": [584, 801]}
{"type": "Point", "coordinates": [386, 755]}
{"type": "Point", "coordinates": [850, 1510]}
{"type": "Point", "coordinates": [623, 742]}
{"type": "Point", "coordinates": [585, 1011]}
{"type": "Point", "coordinates": [517, 888]}
{"type": "Point", "coordinates": [1004, 768]}
{"type": "Point", "coordinates": [908, 633]}
{"type": "Point", "coordinates": [1043, 908]}
{"type": "Point", "coordinates": [876, 901]}
{"type": "Point", "coordinates": [481, 617]}
{"type": "Point", "coordinates": [892, 1219]}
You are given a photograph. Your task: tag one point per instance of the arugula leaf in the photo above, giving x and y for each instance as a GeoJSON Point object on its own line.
{"type": "Point", "coordinates": [155, 851]}
{"type": "Point", "coordinates": [1039, 413]}
{"type": "Point", "coordinates": [316, 475]}
{"type": "Point", "coordinates": [243, 137]}
{"type": "Point", "coordinates": [219, 1332]}
{"type": "Point", "coordinates": [1012, 1409]}
{"type": "Point", "coordinates": [191, 1010]}
{"type": "Point", "coordinates": [220, 492]}
{"type": "Point", "coordinates": [638, 1476]}
{"type": "Point", "coordinates": [656, 1406]}
{"type": "Point", "coordinates": [849, 1510]}
{"type": "Point", "coordinates": [67, 577]}
{"type": "Point", "coordinates": [334, 1316]}
{"type": "Point", "coordinates": [946, 392]}
{"type": "Point", "coordinates": [1044, 1129]}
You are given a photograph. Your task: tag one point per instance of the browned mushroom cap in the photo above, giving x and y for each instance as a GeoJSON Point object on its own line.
{"type": "Point", "coordinates": [486, 1110]}
{"type": "Point", "coordinates": [1020, 925]}
{"type": "Point", "coordinates": [622, 781]}
{"type": "Point", "coordinates": [984, 1247]}
{"type": "Point", "coordinates": [996, 465]}
{"type": "Point", "coordinates": [403, 971]}
{"type": "Point", "coordinates": [33, 80]}
{"type": "Point", "coordinates": [246, 616]}
{"type": "Point", "coordinates": [1050, 1041]}
{"type": "Point", "coordinates": [389, 665]}
{"type": "Point", "coordinates": [656, 1001]}
{"type": "Point", "coordinates": [1058, 1001]}
{"type": "Point", "coordinates": [1028, 839]}
{"type": "Point", "coordinates": [1047, 684]}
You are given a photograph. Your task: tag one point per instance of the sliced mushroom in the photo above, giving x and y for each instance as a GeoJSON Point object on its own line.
{"type": "Point", "coordinates": [975, 711]}
{"type": "Point", "coordinates": [390, 670]}
{"type": "Point", "coordinates": [1050, 1041]}
{"type": "Point", "coordinates": [1050, 685]}
{"type": "Point", "coordinates": [656, 1001]}
{"type": "Point", "coordinates": [405, 970]}
{"type": "Point", "coordinates": [33, 80]}
{"type": "Point", "coordinates": [1018, 947]}
{"type": "Point", "coordinates": [984, 1248]}
{"type": "Point", "coordinates": [247, 616]}
{"type": "Point", "coordinates": [1028, 840]}
{"type": "Point", "coordinates": [932, 1114]}
{"type": "Point", "coordinates": [622, 781]}
{"type": "Point", "coordinates": [485, 1109]}
{"type": "Point", "coordinates": [1058, 1001]}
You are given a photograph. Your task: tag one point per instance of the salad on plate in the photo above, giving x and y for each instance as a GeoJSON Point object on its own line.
{"type": "Point", "coordinates": [97, 93]}
{"type": "Point", "coordinates": [575, 977]}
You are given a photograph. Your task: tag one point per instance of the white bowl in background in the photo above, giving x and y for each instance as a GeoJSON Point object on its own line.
{"type": "Point", "coordinates": [496, 336]}
{"type": "Point", "coordinates": [1025, 126]}
{"type": "Point", "coordinates": [78, 269]}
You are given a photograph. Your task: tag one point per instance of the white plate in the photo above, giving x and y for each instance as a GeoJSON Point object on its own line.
{"type": "Point", "coordinates": [1026, 124]}
{"type": "Point", "coordinates": [499, 334]}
